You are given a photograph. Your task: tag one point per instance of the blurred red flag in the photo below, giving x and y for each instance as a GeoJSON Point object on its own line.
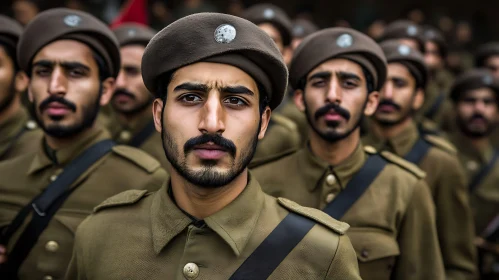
{"type": "Point", "coordinates": [132, 11]}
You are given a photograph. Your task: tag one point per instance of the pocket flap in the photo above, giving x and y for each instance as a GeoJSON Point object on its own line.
{"type": "Point", "coordinates": [371, 245]}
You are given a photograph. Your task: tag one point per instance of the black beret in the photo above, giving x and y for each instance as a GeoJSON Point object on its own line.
{"type": "Point", "coordinates": [404, 29]}
{"type": "Point", "coordinates": [268, 13]}
{"type": "Point", "coordinates": [61, 23]}
{"type": "Point", "coordinates": [219, 38]}
{"type": "Point", "coordinates": [133, 33]}
{"type": "Point", "coordinates": [10, 31]}
{"type": "Point", "coordinates": [474, 79]}
{"type": "Point", "coordinates": [338, 42]}
{"type": "Point", "coordinates": [302, 28]}
{"type": "Point", "coordinates": [409, 57]}
{"type": "Point", "coordinates": [484, 52]}
{"type": "Point", "coordinates": [432, 34]}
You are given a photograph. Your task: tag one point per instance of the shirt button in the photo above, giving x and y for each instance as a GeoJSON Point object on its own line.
{"type": "Point", "coordinates": [191, 271]}
{"type": "Point", "coordinates": [330, 197]}
{"type": "Point", "coordinates": [52, 246]}
{"type": "Point", "coordinates": [125, 135]}
{"type": "Point", "coordinates": [330, 179]}
{"type": "Point", "coordinates": [48, 277]}
{"type": "Point", "coordinates": [364, 253]}
{"type": "Point", "coordinates": [53, 178]}
{"type": "Point", "coordinates": [472, 165]}
{"type": "Point", "coordinates": [31, 125]}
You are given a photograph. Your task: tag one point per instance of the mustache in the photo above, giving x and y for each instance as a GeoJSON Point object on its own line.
{"type": "Point", "coordinates": [216, 139]}
{"type": "Point", "coordinates": [54, 98]}
{"type": "Point", "coordinates": [332, 106]}
{"type": "Point", "coordinates": [390, 103]}
{"type": "Point", "coordinates": [122, 91]}
{"type": "Point", "coordinates": [478, 116]}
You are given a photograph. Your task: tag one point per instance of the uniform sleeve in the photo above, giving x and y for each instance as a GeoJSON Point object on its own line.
{"type": "Point", "coordinates": [455, 222]}
{"type": "Point", "coordinates": [344, 265]}
{"type": "Point", "coordinates": [420, 256]}
{"type": "Point", "coordinates": [76, 268]}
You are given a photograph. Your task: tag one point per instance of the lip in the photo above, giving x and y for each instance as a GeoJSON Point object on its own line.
{"type": "Point", "coordinates": [57, 109]}
{"type": "Point", "coordinates": [386, 108]}
{"type": "Point", "coordinates": [209, 151]}
{"type": "Point", "coordinates": [333, 116]}
{"type": "Point", "coordinates": [122, 98]}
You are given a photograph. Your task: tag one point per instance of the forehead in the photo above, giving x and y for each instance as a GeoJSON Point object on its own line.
{"type": "Point", "coordinates": [339, 65]}
{"type": "Point", "coordinates": [483, 92]}
{"type": "Point", "coordinates": [493, 59]}
{"type": "Point", "coordinates": [132, 54]}
{"type": "Point", "coordinates": [430, 45]}
{"type": "Point", "coordinates": [270, 29]}
{"type": "Point", "coordinates": [396, 69]}
{"type": "Point", "coordinates": [66, 50]}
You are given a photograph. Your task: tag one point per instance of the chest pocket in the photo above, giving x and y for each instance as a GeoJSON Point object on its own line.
{"type": "Point", "coordinates": [376, 251]}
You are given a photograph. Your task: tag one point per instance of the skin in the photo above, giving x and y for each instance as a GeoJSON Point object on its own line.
{"type": "Point", "coordinates": [399, 89]}
{"type": "Point", "coordinates": [477, 114]}
{"type": "Point", "coordinates": [342, 82]}
{"type": "Point", "coordinates": [11, 86]}
{"type": "Point", "coordinates": [492, 63]}
{"type": "Point", "coordinates": [66, 69]}
{"type": "Point", "coordinates": [432, 56]}
{"type": "Point", "coordinates": [24, 11]}
{"type": "Point", "coordinates": [131, 98]}
{"type": "Point", "coordinates": [209, 99]}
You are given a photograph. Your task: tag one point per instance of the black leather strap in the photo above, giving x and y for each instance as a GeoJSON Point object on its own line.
{"type": "Point", "coordinates": [491, 233]}
{"type": "Point", "coordinates": [418, 151]}
{"type": "Point", "coordinates": [293, 228]}
{"type": "Point", "coordinates": [142, 136]}
{"type": "Point", "coordinates": [478, 178]}
{"type": "Point", "coordinates": [44, 207]}
{"type": "Point", "coordinates": [430, 114]}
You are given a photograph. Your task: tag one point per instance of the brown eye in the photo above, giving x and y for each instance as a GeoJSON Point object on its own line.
{"type": "Point", "coordinates": [191, 98]}
{"type": "Point", "coordinates": [235, 101]}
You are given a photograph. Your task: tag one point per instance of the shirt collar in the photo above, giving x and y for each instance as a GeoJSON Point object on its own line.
{"type": "Point", "coordinates": [465, 147]}
{"type": "Point", "coordinates": [134, 126]}
{"type": "Point", "coordinates": [231, 223]}
{"type": "Point", "coordinates": [67, 154]}
{"type": "Point", "coordinates": [400, 144]}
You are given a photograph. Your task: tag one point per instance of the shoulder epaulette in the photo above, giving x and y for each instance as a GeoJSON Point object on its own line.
{"type": "Point", "coordinates": [409, 166]}
{"type": "Point", "coordinates": [139, 157]}
{"type": "Point", "coordinates": [283, 121]}
{"type": "Point", "coordinates": [271, 158]}
{"type": "Point", "coordinates": [440, 143]}
{"type": "Point", "coordinates": [125, 198]}
{"type": "Point", "coordinates": [314, 214]}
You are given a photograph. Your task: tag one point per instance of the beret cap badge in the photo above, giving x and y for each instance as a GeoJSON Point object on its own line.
{"type": "Point", "coordinates": [404, 50]}
{"type": "Point", "coordinates": [268, 13]}
{"type": "Point", "coordinates": [72, 20]}
{"type": "Point", "coordinates": [412, 30]}
{"type": "Point", "coordinates": [487, 80]}
{"type": "Point", "coordinates": [344, 41]}
{"type": "Point", "coordinates": [132, 33]}
{"type": "Point", "coordinates": [225, 34]}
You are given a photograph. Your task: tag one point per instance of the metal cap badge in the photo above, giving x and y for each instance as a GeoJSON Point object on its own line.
{"type": "Point", "coordinates": [344, 41]}
{"type": "Point", "coordinates": [225, 34]}
{"type": "Point", "coordinates": [72, 20]}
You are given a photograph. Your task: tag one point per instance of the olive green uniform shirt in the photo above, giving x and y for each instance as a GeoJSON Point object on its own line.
{"type": "Point", "coordinates": [289, 110]}
{"type": "Point", "coordinates": [392, 223]}
{"type": "Point", "coordinates": [18, 136]}
{"type": "Point", "coordinates": [447, 184]}
{"type": "Point", "coordinates": [25, 177]}
{"type": "Point", "coordinates": [157, 240]}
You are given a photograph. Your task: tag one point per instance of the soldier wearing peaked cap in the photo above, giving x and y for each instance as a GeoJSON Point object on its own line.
{"type": "Point", "coordinates": [18, 133]}
{"type": "Point", "coordinates": [337, 74]}
{"type": "Point", "coordinates": [72, 59]}
{"type": "Point", "coordinates": [406, 32]}
{"type": "Point", "coordinates": [211, 220]}
{"type": "Point", "coordinates": [394, 129]}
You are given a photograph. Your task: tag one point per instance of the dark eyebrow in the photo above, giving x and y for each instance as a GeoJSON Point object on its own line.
{"type": "Point", "coordinates": [237, 90]}
{"type": "Point", "coordinates": [64, 64]}
{"type": "Point", "coordinates": [191, 87]}
{"type": "Point", "coordinates": [321, 75]}
{"type": "Point", "coordinates": [347, 75]}
{"type": "Point", "coordinates": [44, 63]}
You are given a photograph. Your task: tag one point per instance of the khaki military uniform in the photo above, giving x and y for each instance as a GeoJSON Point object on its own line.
{"type": "Point", "coordinates": [447, 184]}
{"type": "Point", "coordinates": [153, 145]}
{"type": "Point", "coordinates": [495, 138]}
{"type": "Point", "coordinates": [443, 114]}
{"type": "Point", "coordinates": [289, 110]}
{"type": "Point", "coordinates": [162, 242]}
{"type": "Point", "coordinates": [281, 136]}
{"type": "Point", "coordinates": [27, 176]}
{"type": "Point", "coordinates": [392, 223]}
{"type": "Point", "coordinates": [18, 136]}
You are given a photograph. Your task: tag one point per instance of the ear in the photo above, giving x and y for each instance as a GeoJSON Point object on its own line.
{"type": "Point", "coordinates": [157, 111]}
{"type": "Point", "coordinates": [108, 86]}
{"type": "Point", "coordinates": [265, 122]}
{"type": "Point", "coordinates": [372, 103]}
{"type": "Point", "coordinates": [418, 101]}
{"type": "Point", "coordinates": [298, 98]}
{"type": "Point", "coordinates": [21, 81]}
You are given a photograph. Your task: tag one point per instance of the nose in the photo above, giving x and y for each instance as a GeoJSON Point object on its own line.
{"type": "Point", "coordinates": [387, 91]}
{"type": "Point", "coordinates": [212, 120]}
{"type": "Point", "coordinates": [334, 94]}
{"type": "Point", "coordinates": [58, 82]}
{"type": "Point", "coordinates": [121, 80]}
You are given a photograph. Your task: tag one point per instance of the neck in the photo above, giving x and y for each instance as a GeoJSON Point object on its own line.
{"type": "Point", "coordinates": [201, 202]}
{"type": "Point", "coordinates": [127, 119]}
{"type": "Point", "coordinates": [390, 131]}
{"type": "Point", "coordinates": [479, 144]}
{"type": "Point", "coordinates": [11, 110]}
{"type": "Point", "coordinates": [58, 143]}
{"type": "Point", "coordinates": [334, 153]}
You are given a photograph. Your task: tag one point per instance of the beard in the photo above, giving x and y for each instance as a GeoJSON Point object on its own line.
{"type": "Point", "coordinates": [464, 126]}
{"type": "Point", "coordinates": [11, 94]}
{"type": "Point", "coordinates": [208, 176]}
{"type": "Point", "coordinates": [138, 108]}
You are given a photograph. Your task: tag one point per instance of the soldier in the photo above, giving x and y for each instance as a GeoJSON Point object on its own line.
{"type": "Point", "coordinates": [393, 129]}
{"type": "Point", "coordinates": [406, 32]}
{"type": "Point", "coordinates": [476, 98]}
{"type": "Point", "coordinates": [337, 73]}
{"type": "Point", "coordinates": [18, 133]}
{"type": "Point", "coordinates": [282, 135]}
{"type": "Point", "coordinates": [132, 102]}
{"type": "Point", "coordinates": [301, 29]}
{"type": "Point", "coordinates": [208, 221]}
{"type": "Point", "coordinates": [72, 59]}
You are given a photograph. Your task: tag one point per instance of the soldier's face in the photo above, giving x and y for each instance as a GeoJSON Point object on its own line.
{"type": "Point", "coordinates": [492, 63]}
{"type": "Point", "coordinates": [477, 112]}
{"type": "Point", "coordinates": [131, 95]}
{"type": "Point", "coordinates": [399, 97]}
{"type": "Point", "coordinates": [210, 122]}
{"type": "Point", "coordinates": [7, 74]}
{"type": "Point", "coordinates": [335, 99]}
{"type": "Point", "coordinates": [274, 34]}
{"type": "Point", "coordinates": [432, 56]}
{"type": "Point", "coordinates": [65, 88]}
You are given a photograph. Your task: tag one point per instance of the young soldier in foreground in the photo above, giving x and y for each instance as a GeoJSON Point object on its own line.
{"type": "Point", "coordinates": [393, 129]}
{"type": "Point", "coordinates": [18, 134]}
{"type": "Point", "coordinates": [337, 73]}
{"type": "Point", "coordinates": [476, 99]}
{"type": "Point", "coordinates": [211, 220]}
{"type": "Point", "coordinates": [72, 59]}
